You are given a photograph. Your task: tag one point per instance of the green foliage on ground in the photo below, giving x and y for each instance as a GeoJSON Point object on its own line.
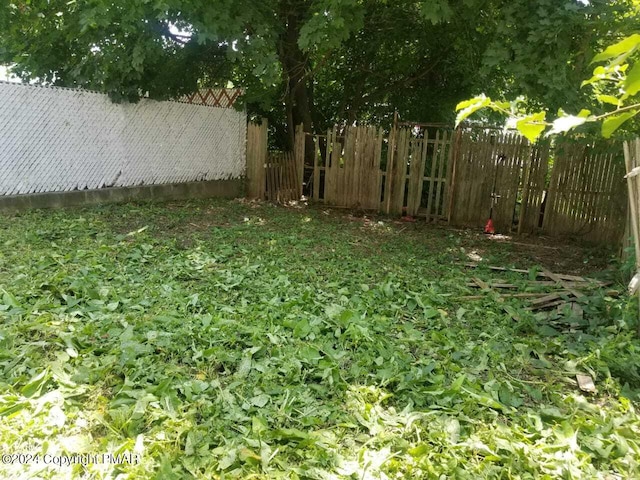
{"type": "Point", "coordinates": [231, 340]}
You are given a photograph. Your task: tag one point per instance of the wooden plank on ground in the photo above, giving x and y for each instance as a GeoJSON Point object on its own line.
{"type": "Point", "coordinates": [504, 295]}
{"type": "Point", "coordinates": [481, 283]}
{"type": "Point", "coordinates": [547, 298]}
{"type": "Point", "coordinates": [539, 273]}
{"type": "Point", "coordinates": [561, 282]}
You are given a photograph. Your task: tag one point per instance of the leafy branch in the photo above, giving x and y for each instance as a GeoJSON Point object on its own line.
{"type": "Point", "coordinates": [617, 84]}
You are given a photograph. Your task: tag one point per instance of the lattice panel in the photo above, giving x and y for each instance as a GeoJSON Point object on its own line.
{"type": "Point", "coordinates": [213, 97]}
{"type": "Point", "coordinates": [58, 139]}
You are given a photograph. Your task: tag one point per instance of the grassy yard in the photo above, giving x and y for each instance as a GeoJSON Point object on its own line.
{"type": "Point", "coordinates": [235, 340]}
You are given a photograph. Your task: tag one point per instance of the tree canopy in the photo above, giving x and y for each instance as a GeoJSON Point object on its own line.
{"type": "Point", "coordinates": [316, 62]}
{"type": "Point", "coordinates": [615, 86]}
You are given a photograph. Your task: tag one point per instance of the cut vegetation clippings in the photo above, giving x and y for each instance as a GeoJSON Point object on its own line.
{"type": "Point", "coordinates": [240, 340]}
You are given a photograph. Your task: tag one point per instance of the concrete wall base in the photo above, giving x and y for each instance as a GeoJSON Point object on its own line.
{"type": "Point", "coordinates": [179, 191]}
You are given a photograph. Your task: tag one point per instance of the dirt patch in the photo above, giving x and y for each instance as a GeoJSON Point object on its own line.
{"type": "Point", "coordinates": [565, 255]}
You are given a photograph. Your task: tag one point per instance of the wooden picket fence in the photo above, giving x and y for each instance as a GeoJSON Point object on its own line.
{"type": "Point", "coordinates": [346, 168]}
{"type": "Point", "coordinates": [362, 168]}
{"type": "Point", "coordinates": [460, 177]}
{"type": "Point", "coordinates": [573, 187]}
{"type": "Point", "coordinates": [488, 162]}
{"type": "Point", "coordinates": [586, 192]}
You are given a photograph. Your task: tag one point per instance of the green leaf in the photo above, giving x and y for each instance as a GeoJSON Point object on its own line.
{"type": "Point", "coordinates": [610, 99]}
{"type": "Point", "coordinates": [566, 123]}
{"type": "Point", "coordinates": [621, 50]}
{"type": "Point", "coordinates": [547, 331]}
{"type": "Point", "coordinates": [9, 299]}
{"type": "Point", "coordinates": [419, 451]}
{"type": "Point", "coordinates": [468, 107]}
{"type": "Point", "coordinates": [228, 459]}
{"type": "Point", "coordinates": [502, 105]}
{"type": "Point", "coordinates": [260, 400]}
{"type": "Point", "coordinates": [632, 82]}
{"type": "Point", "coordinates": [435, 11]}
{"type": "Point", "coordinates": [259, 425]}
{"type": "Point", "coordinates": [532, 126]}
{"type": "Point", "coordinates": [245, 366]}
{"type": "Point", "coordinates": [35, 384]}
{"type": "Point", "coordinates": [599, 73]}
{"type": "Point", "coordinates": [12, 408]}
{"type": "Point", "coordinates": [611, 124]}
{"type": "Point", "coordinates": [310, 354]}
{"type": "Point", "coordinates": [302, 328]}
{"type": "Point", "coordinates": [457, 384]}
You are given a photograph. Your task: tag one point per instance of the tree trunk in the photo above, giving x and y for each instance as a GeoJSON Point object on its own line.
{"type": "Point", "coordinates": [295, 68]}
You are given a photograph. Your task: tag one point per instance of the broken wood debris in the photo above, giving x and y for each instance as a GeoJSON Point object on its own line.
{"type": "Point", "coordinates": [542, 273]}
{"type": "Point", "coordinates": [585, 382]}
{"type": "Point", "coordinates": [536, 283]}
{"type": "Point", "coordinates": [556, 278]}
{"type": "Point", "coordinates": [504, 295]}
{"type": "Point", "coordinates": [568, 289]}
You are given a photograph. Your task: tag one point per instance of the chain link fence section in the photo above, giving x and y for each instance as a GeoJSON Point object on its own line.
{"type": "Point", "coordinates": [58, 139]}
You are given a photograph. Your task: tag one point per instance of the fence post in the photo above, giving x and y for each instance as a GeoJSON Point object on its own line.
{"type": "Point", "coordinates": [391, 153]}
{"type": "Point", "coordinates": [527, 168]}
{"type": "Point", "coordinates": [632, 161]}
{"type": "Point", "coordinates": [451, 177]}
{"type": "Point", "coordinates": [256, 157]}
{"type": "Point", "coordinates": [299, 152]}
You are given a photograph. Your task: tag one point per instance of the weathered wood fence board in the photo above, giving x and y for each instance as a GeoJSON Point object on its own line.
{"type": "Point", "coordinates": [533, 188]}
{"type": "Point", "coordinates": [257, 142]}
{"type": "Point", "coordinates": [299, 151]}
{"type": "Point", "coordinates": [396, 176]}
{"type": "Point", "coordinates": [416, 173]}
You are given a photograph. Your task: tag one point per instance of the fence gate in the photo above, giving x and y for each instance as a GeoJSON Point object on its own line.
{"type": "Point", "coordinates": [273, 175]}
{"type": "Point", "coordinates": [488, 166]}
{"type": "Point", "coordinates": [281, 176]}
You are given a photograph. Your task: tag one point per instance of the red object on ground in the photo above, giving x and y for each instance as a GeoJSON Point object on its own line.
{"type": "Point", "coordinates": [408, 219]}
{"type": "Point", "coordinates": [488, 228]}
